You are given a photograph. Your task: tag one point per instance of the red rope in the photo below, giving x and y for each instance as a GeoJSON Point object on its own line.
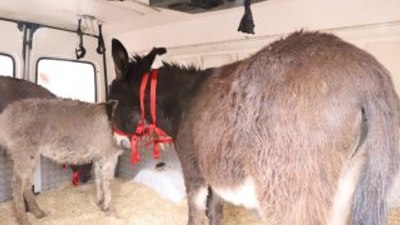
{"type": "Point", "coordinates": [75, 178]}
{"type": "Point", "coordinates": [153, 96]}
{"type": "Point", "coordinates": [75, 175]}
{"type": "Point", "coordinates": [142, 129]}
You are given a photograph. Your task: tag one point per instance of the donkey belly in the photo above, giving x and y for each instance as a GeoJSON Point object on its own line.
{"type": "Point", "coordinates": [243, 194]}
{"type": "Point", "coordinates": [65, 155]}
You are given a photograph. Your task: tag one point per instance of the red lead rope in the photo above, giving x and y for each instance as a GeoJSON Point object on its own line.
{"type": "Point", "coordinates": [142, 129]}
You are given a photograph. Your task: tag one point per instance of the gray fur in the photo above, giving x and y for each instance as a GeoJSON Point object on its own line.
{"type": "Point", "coordinates": [65, 131]}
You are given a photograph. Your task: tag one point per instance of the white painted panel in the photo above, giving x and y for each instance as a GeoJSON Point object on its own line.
{"type": "Point", "coordinates": [64, 13]}
{"type": "Point", "coordinates": [388, 53]}
{"type": "Point", "coordinates": [272, 18]}
{"type": "Point", "coordinates": [217, 60]}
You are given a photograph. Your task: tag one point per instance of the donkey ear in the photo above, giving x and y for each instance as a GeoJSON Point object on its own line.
{"type": "Point", "coordinates": [149, 58]}
{"type": "Point", "coordinates": [120, 57]}
{"type": "Point", "coordinates": [111, 105]}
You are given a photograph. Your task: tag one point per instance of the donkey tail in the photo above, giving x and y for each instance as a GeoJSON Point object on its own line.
{"type": "Point", "coordinates": [381, 164]}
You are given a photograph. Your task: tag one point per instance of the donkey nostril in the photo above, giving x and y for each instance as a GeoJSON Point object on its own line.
{"type": "Point", "coordinates": [160, 166]}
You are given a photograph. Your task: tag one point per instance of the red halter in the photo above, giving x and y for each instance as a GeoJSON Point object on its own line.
{"type": "Point", "coordinates": [143, 129]}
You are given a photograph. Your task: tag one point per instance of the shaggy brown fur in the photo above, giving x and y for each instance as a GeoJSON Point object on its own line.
{"type": "Point", "coordinates": [305, 131]}
{"type": "Point", "coordinates": [13, 89]}
{"type": "Point", "coordinates": [66, 131]}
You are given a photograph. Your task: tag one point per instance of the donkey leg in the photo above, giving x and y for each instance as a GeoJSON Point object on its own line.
{"type": "Point", "coordinates": [107, 171]}
{"type": "Point", "coordinates": [196, 188]}
{"type": "Point", "coordinates": [98, 181]}
{"type": "Point", "coordinates": [214, 208]}
{"type": "Point", "coordinates": [18, 200]}
{"type": "Point", "coordinates": [197, 199]}
{"type": "Point", "coordinates": [31, 200]}
{"type": "Point", "coordinates": [24, 165]}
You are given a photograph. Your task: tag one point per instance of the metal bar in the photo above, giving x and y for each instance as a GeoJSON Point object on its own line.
{"type": "Point", "coordinates": [25, 52]}
{"type": "Point", "coordinates": [105, 74]}
{"type": "Point", "coordinates": [47, 26]}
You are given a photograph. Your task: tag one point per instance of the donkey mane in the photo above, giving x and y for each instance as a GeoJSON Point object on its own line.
{"type": "Point", "coordinates": [184, 68]}
{"type": "Point", "coordinates": [139, 60]}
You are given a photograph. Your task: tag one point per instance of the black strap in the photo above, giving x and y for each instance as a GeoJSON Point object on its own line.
{"type": "Point", "coordinates": [81, 51]}
{"type": "Point", "coordinates": [101, 48]}
{"type": "Point", "coordinates": [247, 24]}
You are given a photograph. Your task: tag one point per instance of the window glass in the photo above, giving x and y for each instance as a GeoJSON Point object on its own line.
{"type": "Point", "coordinates": [6, 65]}
{"type": "Point", "coordinates": [68, 79]}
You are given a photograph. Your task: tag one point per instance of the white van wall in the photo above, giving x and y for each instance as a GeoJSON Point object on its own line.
{"type": "Point", "coordinates": [273, 17]}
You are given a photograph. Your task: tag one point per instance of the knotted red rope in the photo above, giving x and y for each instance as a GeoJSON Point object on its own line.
{"type": "Point", "coordinates": [75, 175]}
{"type": "Point", "coordinates": [156, 134]}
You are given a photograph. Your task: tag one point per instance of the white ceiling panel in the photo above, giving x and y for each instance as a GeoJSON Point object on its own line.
{"type": "Point", "coordinates": [65, 13]}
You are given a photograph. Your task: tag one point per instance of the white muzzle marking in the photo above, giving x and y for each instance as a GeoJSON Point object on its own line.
{"type": "Point", "coordinates": [122, 141]}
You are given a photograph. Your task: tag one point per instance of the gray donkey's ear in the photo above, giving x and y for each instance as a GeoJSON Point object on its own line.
{"type": "Point", "coordinates": [120, 58]}
{"type": "Point", "coordinates": [111, 105]}
{"type": "Point", "coordinates": [149, 58]}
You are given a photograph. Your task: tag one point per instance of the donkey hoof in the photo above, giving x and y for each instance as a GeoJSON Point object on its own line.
{"type": "Point", "coordinates": [100, 203]}
{"type": "Point", "coordinates": [111, 212]}
{"type": "Point", "coordinates": [103, 206]}
{"type": "Point", "coordinates": [39, 213]}
{"type": "Point", "coordinates": [23, 222]}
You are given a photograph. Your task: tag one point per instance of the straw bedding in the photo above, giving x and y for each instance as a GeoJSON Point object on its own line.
{"type": "Point", "coordinates": [134, 204]}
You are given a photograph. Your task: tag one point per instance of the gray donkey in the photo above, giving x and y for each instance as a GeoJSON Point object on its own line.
{"type": "Point", "coordinates": [305, 131]}
{"type": "Point", "coordinates": [67, 131]}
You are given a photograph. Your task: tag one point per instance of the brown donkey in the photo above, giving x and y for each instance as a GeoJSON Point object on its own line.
{"type": "Point", "coordinates": [66, 131]}
{"type": "Point", "coordinates": [305, 131]}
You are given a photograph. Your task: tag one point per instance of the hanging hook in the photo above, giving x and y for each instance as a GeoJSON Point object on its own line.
{"type": "Point", "coordinates": [101, 48]}
{"type": "Point", "coordinates": [81, 51]}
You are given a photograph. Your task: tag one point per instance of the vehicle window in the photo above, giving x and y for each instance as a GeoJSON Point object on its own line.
{"type": "Point", "coordinates": [7, 65]}
{"type": "Point", "coordinates": [67, 78]}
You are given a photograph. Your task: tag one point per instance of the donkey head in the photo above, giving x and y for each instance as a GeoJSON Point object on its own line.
{"type": "Point", "coordinates": [125, 86]}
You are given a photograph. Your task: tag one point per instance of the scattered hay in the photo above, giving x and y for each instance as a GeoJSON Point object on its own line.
{"type": "Point", "coordinates": [135, 204]}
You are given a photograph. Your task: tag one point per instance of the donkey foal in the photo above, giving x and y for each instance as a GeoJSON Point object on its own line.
{"type": "Point", "coordinates": [66, 131]}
